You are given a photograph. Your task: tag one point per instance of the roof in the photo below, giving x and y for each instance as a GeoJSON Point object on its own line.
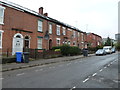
{"type": "Point", "coordinates": [94, 34]}
{"type": "Point", "coordinates": [21, 8]}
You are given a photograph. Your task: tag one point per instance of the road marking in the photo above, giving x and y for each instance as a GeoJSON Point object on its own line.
{"type": "Point", "coordinates": [101, 70]}
{"type": "Point", "coordinates": [20, 74]}
{"type": "Point", "coordinates": [73, 88]}
{"type": "Point", "coordinates": [108, 65]}
{"type": "Point", "coordinates": [1, 78]}
{"type": "Point", "coordinates": [85, 80]}
{"type": "Point", "coordinates": [116, 81]}
{"type": "Point", "coordinates": [94, 74]}
{"type": "Point", "coordinates": [105, 67]}
{"type": "Point", "coordinates": [111, 62]}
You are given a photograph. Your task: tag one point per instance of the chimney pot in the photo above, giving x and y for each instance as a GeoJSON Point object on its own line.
{"type": "Point", "coordinates": [45, 14]}
{"type": "Point", "coordinates": [41, 10]}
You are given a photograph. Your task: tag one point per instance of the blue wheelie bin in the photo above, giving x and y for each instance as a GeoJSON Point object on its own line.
{"type": "Point", "coordinates": [19, 57]}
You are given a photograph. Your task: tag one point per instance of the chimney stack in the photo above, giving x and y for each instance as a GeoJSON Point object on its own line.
{"type": "Point", "coordinates": [46, 14]}
{"type": "Point", "coordinates": [41, 10]}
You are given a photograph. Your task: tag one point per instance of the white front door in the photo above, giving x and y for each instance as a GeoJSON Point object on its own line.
{"type": "Point", "coordinates": [17, 43]}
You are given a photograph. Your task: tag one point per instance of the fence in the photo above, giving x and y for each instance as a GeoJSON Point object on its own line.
{"type": "Point", "coordinates": [36, 53]}
{"type": "Point", "coordinates": [33, 53]}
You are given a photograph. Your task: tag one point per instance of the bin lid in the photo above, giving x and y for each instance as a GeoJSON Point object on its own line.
{"type": "Point", "coordinates": [18, 52]}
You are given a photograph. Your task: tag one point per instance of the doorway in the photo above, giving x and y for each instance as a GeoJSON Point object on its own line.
{"type": "Point", "coordinates": [27, 42]}
{"type": "Point", "coordinates": [50, 44]}
{"type": "Point", "coordinates": [17, 43]}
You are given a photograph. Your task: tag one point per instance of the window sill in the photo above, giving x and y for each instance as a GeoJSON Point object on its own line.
{"type": "Point", "coordinates": [40, 49]}
{"type": "Point", "coordinates": [1, 23]}
{"type": "Point", "coordinates": [50, 33]}
{"type": "Point", "coordinates": [40, 31]}
{"type": "Point", "coordinates": [58, 35]}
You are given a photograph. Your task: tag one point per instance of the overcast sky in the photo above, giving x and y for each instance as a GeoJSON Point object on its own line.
{"type": "Point", "coordinates": [96, 16]}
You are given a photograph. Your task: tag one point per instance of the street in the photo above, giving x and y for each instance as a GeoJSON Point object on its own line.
{"type": "Point", "coordinates": [87, 72]}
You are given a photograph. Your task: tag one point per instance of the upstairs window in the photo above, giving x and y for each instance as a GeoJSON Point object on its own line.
{"type": "Point", "coordinates": [82, 36]}
{"type": "Point", "coordinates": [40, 25]}
{"type": "Point", "coordinates": [74, 34]}
{"type": "Point", "coordinates": [64, 32]}
{"type": "Point", "coordinates": [50, 28]}
{"type": "Point", "coordinates": [58, 30]}
{"type": "Point", "coordinates": [2, 15]}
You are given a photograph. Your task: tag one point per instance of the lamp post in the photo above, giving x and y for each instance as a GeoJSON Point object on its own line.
{"type": "Point", "coordinates": [46, 37]}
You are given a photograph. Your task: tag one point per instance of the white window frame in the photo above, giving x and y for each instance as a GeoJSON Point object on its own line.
{"type": "Point", "coordinates": [50, 28]}
{"type": "Point", "coordinates": [2, 17]}
{"type": "Point", "coordinates": [82, 37]}
{"type": "Point", "coordinates": [69, 42]}
{"type": "Point", "coordinates": [40, 25]}
{"type": "Point", "coordinates": [1, 32]}
{"type": "Point", "coordinates": [74, 34]}
{"type": "Point", "coordinates": [57, 41]}
{"type": "Point", "coordinates": [39, 43]}
{"type": "Point", "coordinates": [58, 29]}
{"type": "Point", "coordinates": [64, 31]}
{"type": "Point", "coordinates": [78, 34]}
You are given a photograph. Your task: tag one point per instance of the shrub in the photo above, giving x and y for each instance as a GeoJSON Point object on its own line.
{"type": "Point", "coordinates": [69, 50]}
{"type": "Point", "coordinates": [99, 47]}
{"type": "Point", "coordinates": [74, 50]}
{"type": "Point", "coordinates": [117, 46]}
{"type": "Point", "coordinates": [65, 50]}
{"type": "Point", "coordinates": [57, 50]}
{"type": "Point", "coordinates": [56, 47]}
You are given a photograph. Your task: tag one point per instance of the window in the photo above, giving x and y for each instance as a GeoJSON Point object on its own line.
{"type": "Point", "coordinates": [40, 25]}
{"type": "Point", "coordinates": [58, 30]}
{"type": "Point", "coordinates": [39, 43]}
{"type": "Point", "coordinates": [2, 15]}
{"type": "Point", "coordinates": [1, 38]}
{"type": "Point", "coordinates": [69, 42]}
{"type": "Point", "coordinates": [82, 36]}
{"type": "Point", "coordinates": [78, 34]}
{"type": "Point", "coordinates": [64, 32]}
{"type": "Point", "coordinates": [27, 42]}
{"type": "Point", "coordinates": [50, 28]}
{"type": "Point", "coordinates": [58, 41]}
{"type": "Point", "coordinates": [74, 34]}
{"type": "Point", "coordinates": [74, 43]}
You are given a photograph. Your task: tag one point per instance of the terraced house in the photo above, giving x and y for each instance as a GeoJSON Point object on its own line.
{"type": "Point", "coordinates": [21, 28]}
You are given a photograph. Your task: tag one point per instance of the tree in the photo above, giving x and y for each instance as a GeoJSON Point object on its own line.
{"type": "Point", "coordinates": [108, 42]}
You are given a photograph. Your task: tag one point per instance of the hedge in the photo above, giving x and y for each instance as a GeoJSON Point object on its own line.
{"type": "Point", "coordinates": [68, 50]}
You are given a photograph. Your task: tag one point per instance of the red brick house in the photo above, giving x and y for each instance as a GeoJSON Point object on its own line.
{"type": "Point", "coordinates": [21, 28]}
{"type": "Point", "coordinates": [94, 40]}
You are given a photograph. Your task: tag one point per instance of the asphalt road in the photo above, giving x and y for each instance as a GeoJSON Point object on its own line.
{"type": "Point", "coordinates": [89, 72]}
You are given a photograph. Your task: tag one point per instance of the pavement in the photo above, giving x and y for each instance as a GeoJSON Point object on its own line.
{"type": "Point", "coordinates": [15, 66]}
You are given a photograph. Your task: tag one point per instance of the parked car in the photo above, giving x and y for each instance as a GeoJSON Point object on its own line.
{"type": "Point", "coordinates": [113, 50]}
{"type": "Point", "coordinates": [108, 49]}
{"type": "Point", "coordinates": [100, 52]}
